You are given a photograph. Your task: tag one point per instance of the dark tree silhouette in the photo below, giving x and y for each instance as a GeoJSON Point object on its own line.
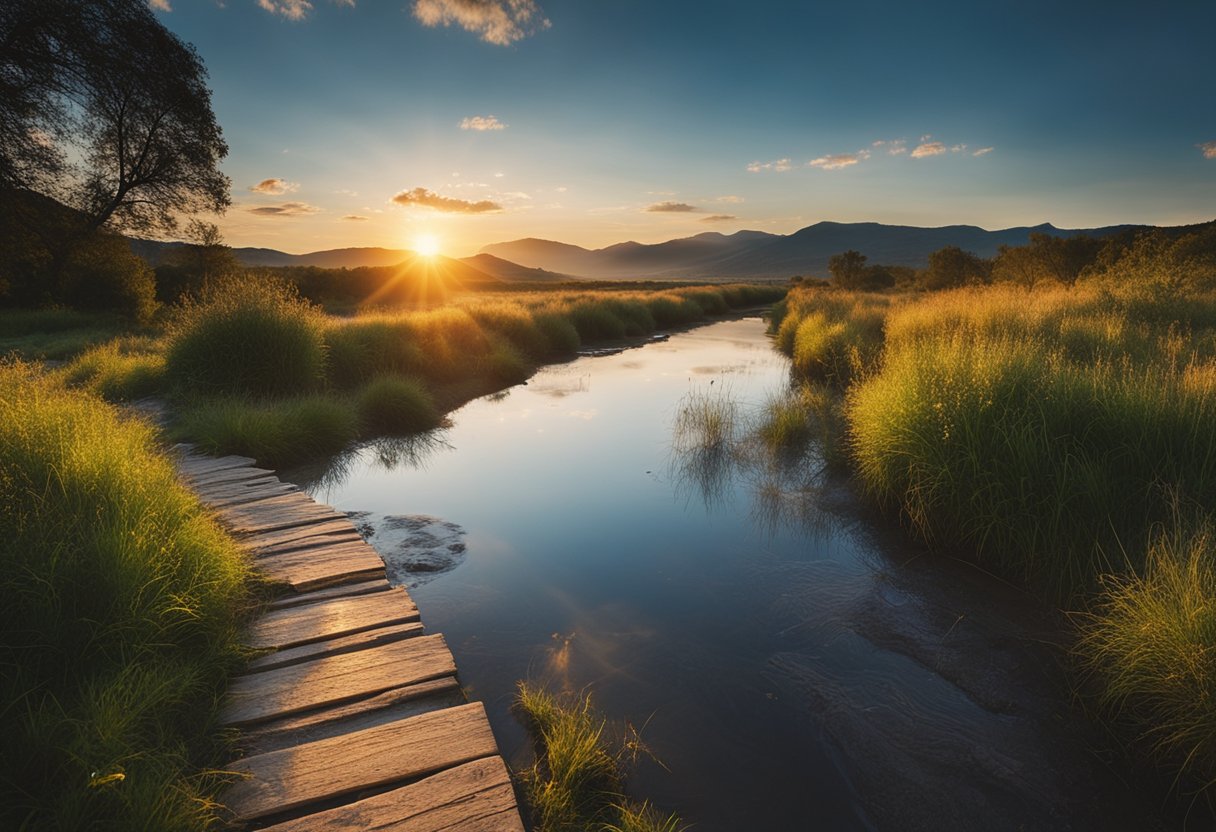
{"type": "Point", "coordinates": [848, 269]}
{"type": "Point", "coordinates": [105, 110]}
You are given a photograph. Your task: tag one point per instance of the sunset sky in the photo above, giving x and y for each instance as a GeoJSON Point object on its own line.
{"type": "Point", "coordinates": [373, 122]}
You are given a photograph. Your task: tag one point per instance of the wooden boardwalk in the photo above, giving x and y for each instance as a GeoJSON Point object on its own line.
{"type": "Point", "coordinates": [352, 719]}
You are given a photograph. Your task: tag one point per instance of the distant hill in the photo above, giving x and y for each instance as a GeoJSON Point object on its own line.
{"type": "Point", "coordinates": [506, 270]}
{"type": "Point", "coordinates": [339, 258]}
{"type": "Point", "coordinates": [757, 254]}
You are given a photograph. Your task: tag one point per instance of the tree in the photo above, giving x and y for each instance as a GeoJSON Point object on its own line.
{"type": "Point", "coordinates": [848, 269]}
{"type": "Point", "coordinates": [1064, 258]}
{"type": "Point", "coordinates": [105, 110]}
{"type": "Point", "coordinates": [1017, 264]}
{"type": "Point", "coordinates": [951, 267]}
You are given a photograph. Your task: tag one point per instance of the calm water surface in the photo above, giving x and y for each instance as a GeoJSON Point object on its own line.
{"type": "Point", "coordinates": [793, 664]}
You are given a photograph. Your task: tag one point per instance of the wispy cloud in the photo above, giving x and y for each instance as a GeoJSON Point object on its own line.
{"type": "Point", "coordinates": [430, 199]}
{"type": "Point", "coordinates": [275, 187]}
{"type": "Point", "coordinates": [290, 9]}
{"type": "Point", "coordinates": [1209, 149]}
{"type": "Point", "coordinates": [730, 199]}
{"type": "Point", "coordinates": [894, 147]}
{"type": "Point", "coordinates": [983, 151]}
{"type": "Point", "coordinates": [778, 166]}
{"type": "Point", "coordinates": [160, 5]}
{"type": "Point", "coordinates": [839, 161]}
{"type": "Point", "coordinates": [356, 218]}
{"type": "Point", "coordinates": [500, 22]}
{"type": "Point", "coordinates": [672, 208]}
{"type": "Point", "coordinates": [285, 209]}
{"type": "Point", "coordinates": [927, 148]}
{"type": "Point", "coordinates": [482, 123]}
{"type": "Point", "coordinates": [719, 218]}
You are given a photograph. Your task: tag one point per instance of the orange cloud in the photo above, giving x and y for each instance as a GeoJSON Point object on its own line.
{"type": "Point", "coordinates": [482, 123]}
{"type": "Point", "coordinates": [672, 208]}
{"type": "Point", "coordinates": [838, 161]}
{"type": "Point", "coordinates": [500, 22]}
{"type": "Point", "coordinates": [430, 199]}
{"type": "Point", "coordinates": [285, 209]}
{"type": "Point", "coordinates": [275, 187]}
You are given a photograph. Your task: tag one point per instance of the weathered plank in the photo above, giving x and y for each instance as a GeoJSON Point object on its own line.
{"type": "Point", "coordinates": [280, 629]}
{"type": "Point", "coordinates": [196, 465]}
{"type": "Point", "coordinates": [474, 797]}
{"type": "Point", "coordinates": [284, 512]}
{"type": "Point", "coordinates": [225, 488]}
{"type": "Point", "coordinates": [227, 475]}
{"type": "Point", "coordinates": [335, 679]}
{"type": "Point", "coordinates": [346, 590]}
{"type": "Point", "coordinates": [248, 496]}
{"type": "Point", "coordinates": [280, 781]}
{"type": "Point", "coordinates": [331, 541]}
{"type": "Point", "coordinates": [335, 646]}
{"type": "Point", "coordinates": [368, 712]}
{"type": "Point", "coordinates": [263, 540]}
{"type": "Point", "coordinates": [305, 577]}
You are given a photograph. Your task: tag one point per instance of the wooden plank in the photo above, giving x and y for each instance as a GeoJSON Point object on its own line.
{"type": "Point", "coordinates": [350, 539]}
{"type": "Point", "coordinates": [327, 572]}
{"type": "Point", "coordinates": [262, 540]}
{"type": "Point", "coordinates": [284, 512]}
{"type": "Point", "coordinates": [249, 496]}
{"type": "Point", "coordinates": [280, 629]}
{"type": "Point", "coordinates": [335, 646]}
{"type": "Point", "coordinates": [281, 781]}
{"type": "Point", "coordinates": [367, 712]}
{"type": "Point", "coordinates": [474, 797]}
{"type": "Point", "coordinates": [225, 489]}
{"type": "Point", "coordinates": [228, 475]}
{"type": "Point", "coordinates": [196, 465]}
{"type": "Point", "coordinates": [362, 588]}
{"type": "Point", "coordinates": [336, 679]}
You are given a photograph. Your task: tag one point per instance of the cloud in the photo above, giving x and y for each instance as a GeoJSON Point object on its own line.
{"type": "Point", "coordinates": [1209, 149]}
{"type": "Point", "coordinates": [925, 149]}
{"type": "Point", "coordinates": [285, 209]}
{"type": "Point", "coordinates": [290, 9]}
{"type": "Point", "coordinates": [895, 147]}
{"type": "Point", "coordinates": [983, 151]}
{"type": "Point", "coordinates": [778, 166]}
{"type": "Point", "coordinates": [500, 22]}
{"type": "Point", "coordinates": [482, 123]}
{"type": "Point", "coordinates": [839, 161]}
{"type": "Point", "coordinates": [275, 187]}
{"type": "Point", "coordinates": [719, 218]}
{"type": "Point", "coordinates": [429, 199]}
{"type": "Point", "coordinates": [160, 5]}
{"type": "Point", "coordinates": [730, 199]}
{"type": "Point", "coordinates": [355, 218]}
{"type": "Point", "coordinates": [672, 208]}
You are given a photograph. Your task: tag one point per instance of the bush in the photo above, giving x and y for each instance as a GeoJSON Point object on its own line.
{"type": "Point", "coordinates": [119, 623]}
{"type": "Point", "coordinates": [119, 370]}
{"type": "Point", "coordinates": [392, 405]}
{"type": "Point", "coordinates": [368, 346]}
{"type": "Point", "coordinates": [247, 337]}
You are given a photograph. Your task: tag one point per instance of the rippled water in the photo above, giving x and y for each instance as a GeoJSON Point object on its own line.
{"type": "Point", "coordinates": [793, 663]}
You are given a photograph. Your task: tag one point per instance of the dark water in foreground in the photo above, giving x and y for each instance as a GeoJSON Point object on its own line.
{"type": "Point", "coordinates": [794, 664]}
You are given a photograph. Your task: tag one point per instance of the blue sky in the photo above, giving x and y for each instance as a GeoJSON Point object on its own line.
{"type": "Point", "coordinates": [356, 122]}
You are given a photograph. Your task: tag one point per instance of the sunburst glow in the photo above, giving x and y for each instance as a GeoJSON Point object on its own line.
{"type": "Point", "coordinates": [426, 244]}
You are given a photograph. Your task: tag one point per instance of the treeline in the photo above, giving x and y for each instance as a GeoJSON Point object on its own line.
{"type": "Point", "coordinates": [1171, 257]}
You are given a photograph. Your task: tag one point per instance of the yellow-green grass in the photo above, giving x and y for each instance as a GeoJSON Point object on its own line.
{"type": "Point", "coordinates": [831, 337]}
{"type": "Point", "coordinates": [55, 334]}
{"type": "Point", "coordinates": [395, 405]}
{"type": "Point", "coordinates": [1151, 647]}
{"type": "Point", "coordinates": [120, 370]}
{"type": "Point", "coordinates": [119, 621]}
{"type": "Point", "coordinates": [577, 782]}
{"type": "Point", "coordinates": [247, 337]}
{"type": "Point", "coordinates": [275, 432]}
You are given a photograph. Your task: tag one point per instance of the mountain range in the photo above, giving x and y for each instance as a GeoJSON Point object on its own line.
{"type": "Point", "coordinates": [711, 255]}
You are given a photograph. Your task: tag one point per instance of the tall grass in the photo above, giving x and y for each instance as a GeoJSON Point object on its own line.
{"type": "Point", "coordinates": [394, 405]}
{"type": "Point", "coordinates": [577, 782]}
{"type": "Point", "coordinates": [119, 622]}
{"type": "Point", "coordinates": [1151, 644]}
{"type": "Point", "coordinates": [247, 337]}
{"type": "Point", "coordinates": [119, 370]}
{"type": "Point", "coordinates": [832, 337]}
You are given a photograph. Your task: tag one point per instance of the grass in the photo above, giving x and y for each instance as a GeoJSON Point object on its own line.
{"type": "Point", "coordinates": [120, 370]}
{"type": "Point", "coordinates": [1151, 646]}
{"type": "Point", "coordinates": [247, 337]}
{"type": "Point", "coordinates": [577, 782]}
{"type": "Point", "coordinates": [706, 419]}
{"type": "Point", "coordinates": [394, 405]}
{"type": "Point", "coordinates": [277, 432]}
{"type": "Point", "coordinates": [119, 624]}
{"type": "Point", "coordinates": [55, 334]}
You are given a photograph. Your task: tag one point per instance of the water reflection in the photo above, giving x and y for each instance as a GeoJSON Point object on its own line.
{"type": "Point", "coordinates": [389, 453]}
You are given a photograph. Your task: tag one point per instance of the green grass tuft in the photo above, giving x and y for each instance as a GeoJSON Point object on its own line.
{"type": "Point", "coordinates": [274, 432]}
{"type": "Point", "coordinates": [394, 406]}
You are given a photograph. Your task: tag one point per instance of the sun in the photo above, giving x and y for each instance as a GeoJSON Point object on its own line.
{"type": "Point", "coordinates": [426, 244]}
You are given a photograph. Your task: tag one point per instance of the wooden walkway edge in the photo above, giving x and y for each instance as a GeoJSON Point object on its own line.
{"type": "Point", "coordinates": [352, 719]}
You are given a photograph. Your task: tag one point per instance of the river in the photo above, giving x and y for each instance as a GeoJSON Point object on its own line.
{"type": "Point", "coordinates": [793, 662]}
